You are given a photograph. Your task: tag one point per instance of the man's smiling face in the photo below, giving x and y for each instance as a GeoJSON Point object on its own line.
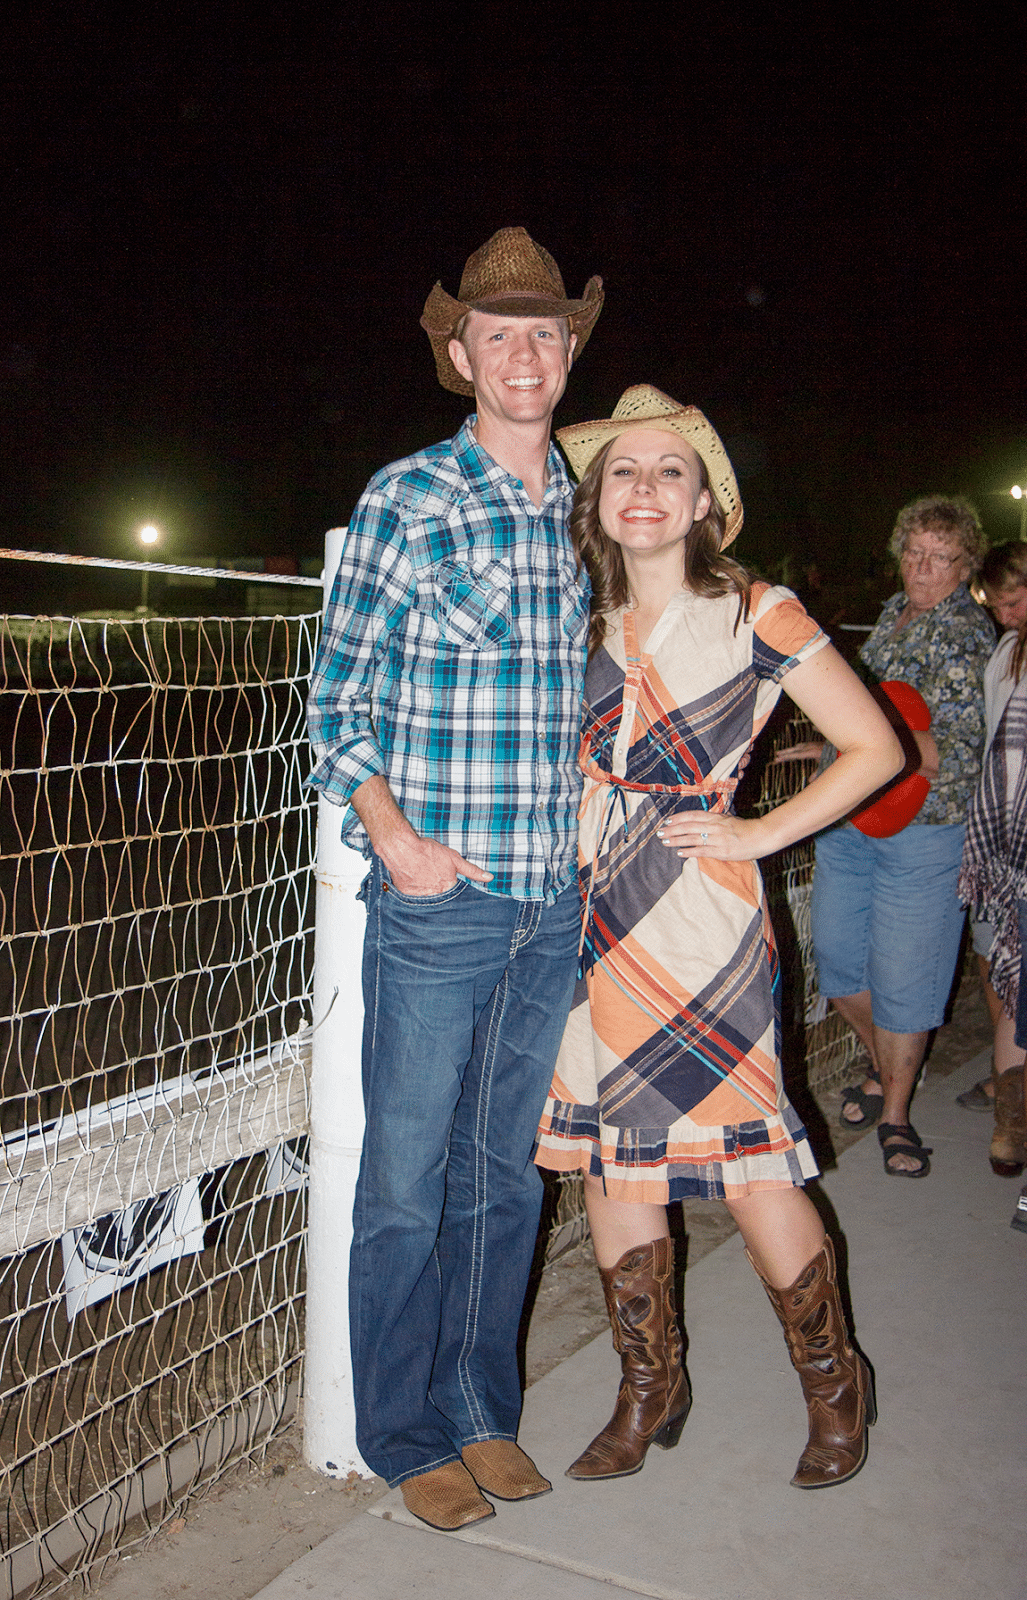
{"type": "Point", "coordinates": [518, 365]}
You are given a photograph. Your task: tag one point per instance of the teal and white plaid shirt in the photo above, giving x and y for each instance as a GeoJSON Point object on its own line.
{"type": "Point", "coordinates": [452, 662]}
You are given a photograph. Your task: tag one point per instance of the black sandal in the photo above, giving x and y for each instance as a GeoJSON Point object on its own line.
{"type": "Point", "coordinates": [907, 1142]}
{"type": "Point", "coordinates": [870, 1105]}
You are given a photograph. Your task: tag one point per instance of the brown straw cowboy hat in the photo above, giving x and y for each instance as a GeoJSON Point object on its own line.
{"type": "Point", "coordinates": [646, 407]}
{"type": "Point", "coordinates": [510, 276]}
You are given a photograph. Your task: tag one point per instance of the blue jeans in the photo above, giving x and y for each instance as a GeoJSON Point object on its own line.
{"type": "Point", "coordinates": [466, 995]}
{"type": "Point", "coordinates": [886, 917]}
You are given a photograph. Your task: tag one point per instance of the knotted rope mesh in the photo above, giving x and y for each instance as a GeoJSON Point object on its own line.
{"type": "Point", "coordinates": [155, 971]}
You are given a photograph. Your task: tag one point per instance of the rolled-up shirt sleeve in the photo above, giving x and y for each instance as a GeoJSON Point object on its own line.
{"type": "Point", "coordinates": [373, 589]}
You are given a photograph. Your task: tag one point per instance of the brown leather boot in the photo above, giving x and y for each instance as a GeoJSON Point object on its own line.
{"type": "Point", "coordinates": [654, 1397]}
{"type": "Point", "coordinates": [1008, 1152]}
{"type": "Point", "coordinates": [836, 1381]}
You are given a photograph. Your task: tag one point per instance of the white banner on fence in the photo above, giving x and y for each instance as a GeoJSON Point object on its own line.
{"type": "Point", "coordinates": [63, 1174]}
{"type": "Point", "coordinates": [112, 1252]}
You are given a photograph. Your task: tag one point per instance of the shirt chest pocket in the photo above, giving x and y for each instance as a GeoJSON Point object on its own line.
{"type": "Point", "coordinates": [573, 603]}
{"type": "Point", "coordinates": [473, 603]}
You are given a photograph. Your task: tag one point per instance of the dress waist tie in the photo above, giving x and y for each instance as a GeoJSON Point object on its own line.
{"type": "Point", "coordinates": [615, 801]}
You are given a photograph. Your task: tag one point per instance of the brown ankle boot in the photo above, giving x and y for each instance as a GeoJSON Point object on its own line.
{"type": "Point", "coordinates": [836, 1381]}
{"type": "Point", "coordinates": [1008, 1152]}
{"type": "Point", "coordinates": [654, 1397]}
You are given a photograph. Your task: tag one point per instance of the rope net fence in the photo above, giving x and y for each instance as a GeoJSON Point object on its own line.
{"type": "Point", "coordinates": [156, 952]}
{"type": "Point", "coordinates": [818, 1048]}
{"type": "Point", "coordinates": [156, 968]}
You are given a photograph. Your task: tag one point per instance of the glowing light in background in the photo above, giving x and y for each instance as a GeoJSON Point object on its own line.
{"type": "Point", "coordinates": [149, 535]}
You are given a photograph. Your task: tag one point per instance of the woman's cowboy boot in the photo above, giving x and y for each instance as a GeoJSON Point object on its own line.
{"type": "Point", "coordinates": [836, 1381]}
{"type": "Point", "coordinates": [1008, 1152]}
{"type": "Point", "coordinates": [654, 1397]}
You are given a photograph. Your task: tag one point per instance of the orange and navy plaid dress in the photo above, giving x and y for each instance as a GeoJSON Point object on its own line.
{"type": "Point", "coordinates": [668, 1083]}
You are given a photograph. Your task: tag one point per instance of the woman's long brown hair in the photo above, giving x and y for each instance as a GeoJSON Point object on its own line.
{"type": "Point", "coordinates": [707, 570]}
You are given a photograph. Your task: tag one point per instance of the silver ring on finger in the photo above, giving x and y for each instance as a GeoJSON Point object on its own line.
{"type": "Point", "coordinates": [704, 837]}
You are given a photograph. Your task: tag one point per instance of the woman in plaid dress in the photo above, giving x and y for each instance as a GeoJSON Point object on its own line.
{"type": "Point", "coordinates": [669, 1080]}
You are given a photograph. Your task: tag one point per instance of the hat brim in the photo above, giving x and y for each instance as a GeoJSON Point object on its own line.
{"type": "Point", "coordinates": [442, 313]}
{"type": "Point", "coordinates": [644, 406]}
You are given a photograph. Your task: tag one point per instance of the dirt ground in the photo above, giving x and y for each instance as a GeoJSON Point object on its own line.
{"type": "Point", "coordinates": [257, 1520]}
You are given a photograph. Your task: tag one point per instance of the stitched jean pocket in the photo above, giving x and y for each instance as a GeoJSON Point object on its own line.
{"type": "Point", "coordinates": [427, 900]}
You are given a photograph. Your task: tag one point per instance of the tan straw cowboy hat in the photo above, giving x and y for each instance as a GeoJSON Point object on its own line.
{"type": "Point", "coordinates": [510, 276]}
{"type": "Point", "coordinates": [646, 407]}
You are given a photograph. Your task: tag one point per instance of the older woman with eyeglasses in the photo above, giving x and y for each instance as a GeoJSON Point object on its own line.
{"type": "Point", "coordinates": [887, 921]}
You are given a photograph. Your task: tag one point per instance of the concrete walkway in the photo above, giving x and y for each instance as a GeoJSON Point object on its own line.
{"type": "Point", "coordinates": [939, 1284]}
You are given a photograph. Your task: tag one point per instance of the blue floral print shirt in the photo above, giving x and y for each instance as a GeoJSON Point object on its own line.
{"type": "Point", "coordinates": [943, 654]}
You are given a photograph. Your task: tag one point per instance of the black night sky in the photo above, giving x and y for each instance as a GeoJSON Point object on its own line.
{"type": "Point", "coordinates": [219, 235]}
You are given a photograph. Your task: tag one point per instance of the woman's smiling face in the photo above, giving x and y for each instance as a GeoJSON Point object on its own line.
{"type": "Point", "coordinates": [652, 491]}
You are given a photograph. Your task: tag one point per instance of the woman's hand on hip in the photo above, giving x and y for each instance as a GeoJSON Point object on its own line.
{"type": "Point", "coordinates": [716, 834]}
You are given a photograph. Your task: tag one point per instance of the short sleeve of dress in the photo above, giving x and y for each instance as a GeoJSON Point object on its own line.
{"type": "Point", "coordinates": [784, 633]}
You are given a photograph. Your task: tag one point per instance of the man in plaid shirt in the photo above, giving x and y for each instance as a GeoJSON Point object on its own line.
{"type": "Point", "coordinates": [444, 711]}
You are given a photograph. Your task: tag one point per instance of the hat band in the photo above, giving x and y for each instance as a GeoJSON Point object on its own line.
{"type": "Point", "coordinates": [536, 296]}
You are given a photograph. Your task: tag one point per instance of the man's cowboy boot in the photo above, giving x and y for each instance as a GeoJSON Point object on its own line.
{"type": "Point", "coordinates": [446, 1498]}
{"type": "Point", "coordinates": [501, 1467]}
{"type": "Point", "coordinates": [836, 1381]}
{"type": "Point", "coordinates": [1008, 1151]}
{"type": "Point", "coordinates": [654, 1397]}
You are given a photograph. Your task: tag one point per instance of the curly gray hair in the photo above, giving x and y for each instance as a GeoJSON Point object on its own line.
{"type": "Point", "coordinates": [948, 515]}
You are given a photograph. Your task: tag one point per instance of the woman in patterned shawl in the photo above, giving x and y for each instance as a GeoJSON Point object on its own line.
{"type": "Point", "coordinates": [993, 878]}
{"type": "Point", "coordinates": [668, 1083]}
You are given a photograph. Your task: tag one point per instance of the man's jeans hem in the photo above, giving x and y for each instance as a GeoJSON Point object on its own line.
{"type": "Point", "coordinates": [419, 1472]}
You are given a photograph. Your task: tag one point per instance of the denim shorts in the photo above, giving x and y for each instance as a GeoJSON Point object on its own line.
{"type": "Point", "coordinates": [886, 918]}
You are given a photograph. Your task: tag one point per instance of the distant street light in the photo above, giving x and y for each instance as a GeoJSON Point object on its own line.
{"type": "Point", "coordinates": [148, 537]}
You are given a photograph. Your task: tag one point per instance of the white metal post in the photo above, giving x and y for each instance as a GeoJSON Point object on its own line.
{"type": "Point", "coordinates": [336, 1133]}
